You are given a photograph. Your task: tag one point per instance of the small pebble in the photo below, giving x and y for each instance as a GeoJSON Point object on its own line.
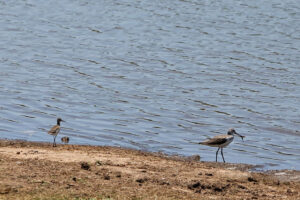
{"type": "Point", "coordinates": [106, 177]}
{"type": "Point", "coordinates": [85, 166]}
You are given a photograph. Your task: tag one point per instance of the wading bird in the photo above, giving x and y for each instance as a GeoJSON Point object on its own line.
{"type": "Point", "coordinates": [55, 130]}
{"type": "Point", "coordinates": [221, 141]}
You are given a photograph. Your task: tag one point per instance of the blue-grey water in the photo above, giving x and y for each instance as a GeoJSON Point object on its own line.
{"type": "Point", "coordinates": [155, 75]}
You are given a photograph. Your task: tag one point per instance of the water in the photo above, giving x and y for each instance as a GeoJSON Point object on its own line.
{"type": "Point", "coordinates": [155, 75]}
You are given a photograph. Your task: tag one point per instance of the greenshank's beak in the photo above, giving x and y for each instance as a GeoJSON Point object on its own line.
{"type": "Point", "coordinates": [240, 136]}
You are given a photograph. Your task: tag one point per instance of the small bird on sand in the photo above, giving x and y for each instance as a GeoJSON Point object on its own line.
{"type": "Point", "coordinates": [221, 141]}
{"type": "Point", "coordinates": [55, 130]}
{"type": "Point", "coordinates": [65, 140]}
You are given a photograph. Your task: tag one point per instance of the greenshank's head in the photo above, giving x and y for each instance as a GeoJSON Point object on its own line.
{"type": "Point", "coordinates": [231, 131]}
{"type": "Point", "coordinates": [59, 120]}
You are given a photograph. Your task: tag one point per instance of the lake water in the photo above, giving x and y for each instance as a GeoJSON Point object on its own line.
{"type": "Point", "coordinates": [155, 75]}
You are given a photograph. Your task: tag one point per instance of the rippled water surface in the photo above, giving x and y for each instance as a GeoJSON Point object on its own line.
{"type": "Point", "coordinates": [155, 75]}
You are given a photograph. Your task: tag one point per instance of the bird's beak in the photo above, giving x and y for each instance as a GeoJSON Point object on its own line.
{"type": "Point", "coordinates": [63, 120]}
{"type": "Point", "coordinates": [240, 136]}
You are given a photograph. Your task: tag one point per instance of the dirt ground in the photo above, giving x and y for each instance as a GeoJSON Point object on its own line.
{"type": "Point", "coordinates": [31, 170]}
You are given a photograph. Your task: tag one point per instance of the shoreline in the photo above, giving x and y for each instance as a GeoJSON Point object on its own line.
{"type": "Point", "coordinates": [36, 170]}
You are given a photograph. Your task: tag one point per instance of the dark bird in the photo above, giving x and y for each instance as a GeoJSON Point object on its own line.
{"type": "Point", "coordinates": [65, 140]}
{"type": "Point", "coordinates": [221, 141]}
{"type": "Point", "coordinates": [55, 130]}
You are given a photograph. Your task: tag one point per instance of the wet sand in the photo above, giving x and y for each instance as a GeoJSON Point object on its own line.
{"type": "Point", "coordinates": [31, 170]}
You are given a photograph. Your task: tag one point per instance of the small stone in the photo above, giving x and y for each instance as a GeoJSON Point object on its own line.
{"type": "Point", "coordinates": [250, 179]}
{"type": "Point", "coordinates": [241, 187]}
{"type": "Point", "coordinates": [118, 175]}
{"type": "Point", "coordinates": [85, 166]}
{"type": "Point", "coordinates": [106, 177]}
{"type": "Point", "coordinates": [98, 163]}
{"type": "Point", "coordinates": [69, 186]}
{"type": "Point", "coordinates": [194, 185]}
{"type": "Point", "coordinates": [5, 190]}
{"type": "Point", "coordinates": [278, 182]}
{"type": "Point", "coordinates": [141, 180]}
{"type": "Point", "coordinates": [218, 189]}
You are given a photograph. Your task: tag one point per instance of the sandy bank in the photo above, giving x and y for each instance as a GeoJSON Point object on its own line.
{"type": "Point", "coordinates": [31, 170]}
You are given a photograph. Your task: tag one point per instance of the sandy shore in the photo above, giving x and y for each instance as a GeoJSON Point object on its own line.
{"type": "Point", "coordinates": [38, 171]}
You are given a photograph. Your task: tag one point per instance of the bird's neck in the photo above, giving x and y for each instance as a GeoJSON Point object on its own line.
{"type": "Point", "coordinates": [58, 123]}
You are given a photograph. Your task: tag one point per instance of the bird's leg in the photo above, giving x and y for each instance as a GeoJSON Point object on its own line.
{"type": "Point", "coordinates": [54, 144]}
{"type": "Point", "coordinates": [222, 154]}
{"type": "Point", "coordinates": [217, 154]}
